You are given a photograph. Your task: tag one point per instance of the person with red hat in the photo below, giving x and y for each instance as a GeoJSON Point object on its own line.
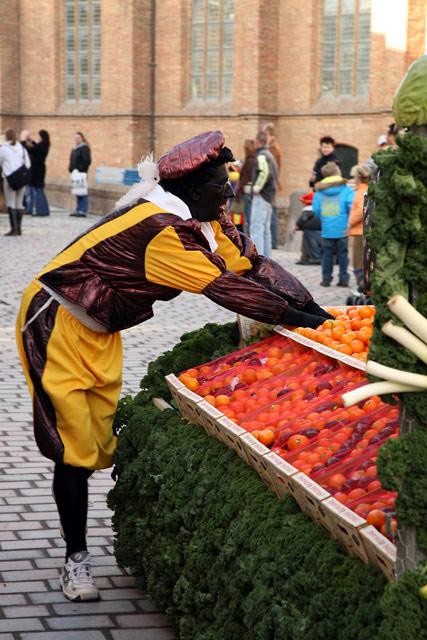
{"type": "Point", "coordinates": [168, 234]}
{"type": "Point", "coordinates": [311, 245]}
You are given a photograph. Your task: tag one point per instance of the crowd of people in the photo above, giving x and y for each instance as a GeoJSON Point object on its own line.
{"type": "Point", "coordinates": [332, 210]}
{"type": "Point", "coordinates": [23, 169]}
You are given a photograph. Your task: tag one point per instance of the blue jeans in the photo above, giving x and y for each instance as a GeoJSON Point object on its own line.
{"type": "Point", "coordinates": [82, 204]}
{"type": "Point", "coordinates": [274, 228]}
{"type": "Point", "coordinates": [312, 244]}
{"type": "Point", "coordinates": [247, 205]}
{"type": "Point", "coordinates": [332, 246]}
{"type": "Point", "coordinates": [35, 196]}
{"type": "Point", "coordinates": [259, 229]}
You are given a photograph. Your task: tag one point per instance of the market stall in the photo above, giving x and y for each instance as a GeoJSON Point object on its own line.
{"type": "Point", "coordinates": [278, 403]}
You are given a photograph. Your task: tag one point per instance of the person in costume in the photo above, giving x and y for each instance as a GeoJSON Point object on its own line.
{"type": "Point", "coordinates": [168, 234]}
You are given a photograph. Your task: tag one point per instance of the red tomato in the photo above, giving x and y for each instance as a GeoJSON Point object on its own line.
{"type": "Point", "coordinates": [376, 517]}
{"type": "Point", "coordinates": [297, 441]}
{"type": "Point", "coordinates": [336, 481]}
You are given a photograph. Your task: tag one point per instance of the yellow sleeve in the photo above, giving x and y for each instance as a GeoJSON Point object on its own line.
{"type": "Point", "coordinates": [169, 263]}
{"type": "Point", "coordinates": [234, 261]}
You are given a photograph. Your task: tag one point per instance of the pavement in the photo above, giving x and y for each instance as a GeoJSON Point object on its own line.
{"type": "Point", "coordinates": [32, 606]}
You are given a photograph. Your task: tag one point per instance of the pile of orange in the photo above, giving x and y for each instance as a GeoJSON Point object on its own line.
{"type": "Point", "coordinates": [349, 333]}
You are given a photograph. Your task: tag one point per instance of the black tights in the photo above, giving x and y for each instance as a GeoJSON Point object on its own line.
{"type": "Point", "coordinates": [70, 489]}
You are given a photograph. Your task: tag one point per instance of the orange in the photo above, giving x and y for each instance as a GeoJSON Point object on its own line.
{"type": "Point", "coordinates": [248, 376]}
{"type": "Point", "coordinates": [267, 437]}
{"type": "Point", "coordinates": [336, 481]}
{"type": "Point", "coordinates": [376, 517]}
{"type": "Point", "coordinates": [193, 373]}
{"type": "Point", "coordinates": [348, 337]}
{"type": "Point", "coordinates": [357, 346]}
{"type": "Point", "coordinates": [356, 493]}
{"type": "Point", "coordinates": [341, 497]}
{"type": "Point", "coordinates": [297, 441]}
{"type": "Point", "coordinates": [366, 312]}
{"type": "Point", "coordinates": [345, 348]}
{"type": "Point", "coordinates": [338, 332]}
{"type": "Point", "coordinates": [222, 400]}
{"type": "Point", "coordinates": [192, 384]}
{"type": "Point", "coordinates": [274, 352]}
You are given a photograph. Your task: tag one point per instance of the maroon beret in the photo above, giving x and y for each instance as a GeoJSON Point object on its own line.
{"type": "Point", "coordinates": [189, 155]}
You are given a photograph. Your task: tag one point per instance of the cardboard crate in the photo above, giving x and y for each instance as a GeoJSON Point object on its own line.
{"type": "Point", "coordinates": [254, 450]}
{"type": "Point", "coordinates": [174, 385]}
{"type": "Point", "coordinates": [279, 472]}
{"type": "Point", "coordinates": [187, 403]}
{"type": "Point", "coordinates": [348, 526]}
{"type": "Point", "coordinates": [209, 417]}
{"type": "Point", "coordinates": [327, 513]}
{"type": "Point", "coordinates": [313, 495]}
{"type": "Point", "coordinates": [381, 551]}
{"type": "Point", "coordinates": [230, 433]}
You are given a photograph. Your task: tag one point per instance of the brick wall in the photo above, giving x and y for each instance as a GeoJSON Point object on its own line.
{"type": "Point", "coordinates": [276, 78]}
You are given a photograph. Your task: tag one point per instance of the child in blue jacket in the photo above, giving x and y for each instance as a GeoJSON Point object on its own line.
{"type": "Point", "coordinates": [332, 203]}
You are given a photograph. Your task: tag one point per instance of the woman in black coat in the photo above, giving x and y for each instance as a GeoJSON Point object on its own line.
{"type": "Point", "coordinates": [36, 197]}
{"type": "Point", "coordinates": [80, 159]}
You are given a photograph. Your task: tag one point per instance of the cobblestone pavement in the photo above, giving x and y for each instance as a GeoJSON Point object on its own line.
{"type": "Point", "coordinates": [31, 550]}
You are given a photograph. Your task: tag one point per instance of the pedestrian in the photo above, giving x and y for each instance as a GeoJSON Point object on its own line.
{"type": "Point", "coordinates": [327, 154]}
{"type": "Point", "coordinates": [38, 151]}
{"type": "Point", "coordinates": [80, 160]}
{"type": "Point", "coordinates": [361, 174]}
{"type": "Point", "coordinates": [168, 234]}
{"type": "Point", "coordinates": [274, 149]}
{"type": "Point", "coordinates": [245, 178]}
{"type": "Point", "coordinates": [13, 156]}
{"type": "Point", "coordinates": [234, 205]}
{"type": "Point", "coordinates": [263, 192]}
{"type": "Point", "coordinates": [309, 224]}
{"type": "Point", "coordinates": [332, 203]}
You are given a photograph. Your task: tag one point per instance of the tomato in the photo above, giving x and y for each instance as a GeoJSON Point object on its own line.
{"type": "Point", "coordinates": [267, 437]}
{"type": "Point", "coordinates": [375, 484]}
{"type": "Point", "coordinates": [376, 517]}
{"type": "Point", "coordinates": [336, 481]}
{"type": "Point", "coordinates": [297, 441]}
{"type": "Point", "coordinates": [341, 497]}
{"type": "Point", "coordinates": [362, 509]}
{"type": "Point", "coordinates": [356, 493]}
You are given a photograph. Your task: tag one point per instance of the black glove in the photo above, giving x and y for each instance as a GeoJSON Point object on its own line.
{"type": "Point", "coordinates": [296, 318]}
{"type": "Point", "coordinates": [313, 308]}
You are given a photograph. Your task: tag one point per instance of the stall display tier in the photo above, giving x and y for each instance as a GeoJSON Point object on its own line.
{"type": "Point", "coordinates": [278, 404]}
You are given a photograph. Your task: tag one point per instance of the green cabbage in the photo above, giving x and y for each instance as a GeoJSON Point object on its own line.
{"type": "Point", "coordinates": [410, 100]}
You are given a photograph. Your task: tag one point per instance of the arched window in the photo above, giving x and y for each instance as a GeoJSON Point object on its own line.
{"type": "Point", "coordinates": [346, 47]}
{"type": "Point", "coordinates": [82, 50]}
{"type": "Point", "coordinates": [212, 24]}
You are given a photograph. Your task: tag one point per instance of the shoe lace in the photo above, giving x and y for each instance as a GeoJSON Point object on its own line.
{"type": "Point", "coordinates": [82, 572]}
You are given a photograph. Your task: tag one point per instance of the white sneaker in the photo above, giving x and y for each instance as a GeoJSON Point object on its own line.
{"type": "Point", "coordinates": [76, 578]}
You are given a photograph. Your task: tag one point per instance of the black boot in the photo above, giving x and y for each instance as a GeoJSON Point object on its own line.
{"type": "Point", "coordinates": [13, 222]}
{"type": "Point", "coordinates": [19, 216]}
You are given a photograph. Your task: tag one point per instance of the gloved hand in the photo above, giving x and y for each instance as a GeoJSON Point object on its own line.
{"type": "Point", "coordinates": [255, 190]}
{"type": "Point", "coordinates": [247, 188]}
{"type": "Point", "coordinates": [296, 318]}
{"type": "Point", "coordinates": [314, 309]}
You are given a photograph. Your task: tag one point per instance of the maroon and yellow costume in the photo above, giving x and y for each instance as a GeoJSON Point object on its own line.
{"type": "Point", "coordinates": [114, 273]}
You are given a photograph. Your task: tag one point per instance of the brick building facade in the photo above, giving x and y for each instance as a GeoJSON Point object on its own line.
{"type": "Point", "coordinates": [144, 96]}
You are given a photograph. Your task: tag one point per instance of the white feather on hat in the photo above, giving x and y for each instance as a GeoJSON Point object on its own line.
{"type": "Point", "coordinates": [148, 171]}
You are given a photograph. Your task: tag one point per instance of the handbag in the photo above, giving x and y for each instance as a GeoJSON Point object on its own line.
{"type": "Point", "coordinates": [79, 183]}
{"type": "Point", "coordinates": [19, 178]}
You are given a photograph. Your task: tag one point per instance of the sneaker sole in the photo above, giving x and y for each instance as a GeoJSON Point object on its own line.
{"type": "Point", "coordinates": [79, 597]}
